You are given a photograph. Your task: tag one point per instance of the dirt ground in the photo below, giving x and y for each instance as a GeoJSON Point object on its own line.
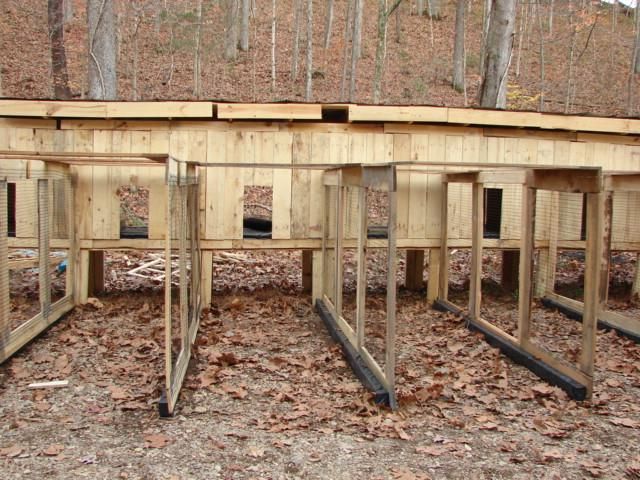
{"type": "Point", "coordinates": [268, 395]}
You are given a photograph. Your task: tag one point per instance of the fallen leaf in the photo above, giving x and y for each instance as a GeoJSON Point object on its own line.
{"type": "Point", "coordinates": [433, 450]}
{"type": "Point", "coordinates": [256, 452]}
{"type": "Point", "coordinates": [625, 422]}
{"type": "Point", "coordinates": [118, 393]}
{"type": "Point", "coordinates": [552, 454]}
{"type": "Point", "coordinates": [11, 452]}
{"type": "Point", "coordinates": [53, 450]}
{"type": "Point", "coordinates": [157, 440]}
{"type": "Point", "coordinates": [94, 302]}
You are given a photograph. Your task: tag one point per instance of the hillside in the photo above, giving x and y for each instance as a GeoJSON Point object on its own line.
{"type": "Point", "coordinates": [418, 67]}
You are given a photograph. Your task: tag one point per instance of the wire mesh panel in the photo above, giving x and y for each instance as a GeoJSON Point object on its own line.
{"type": "Point", "coordinates": [364, 324]}
{"type": "Point", "coordinates": [182, 291]}
{"type": "Point", "coordinates": [36, 251]}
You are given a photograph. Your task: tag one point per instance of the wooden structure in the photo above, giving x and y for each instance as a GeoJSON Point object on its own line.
{"type": "Point", "coordinates": [620, 190]}
{"type": "Point", "coordinates": [285, 148]}
{"type": "Point", "coordinates": [339, 184]}
{"type": "Point", "coordinates": [532, 182]}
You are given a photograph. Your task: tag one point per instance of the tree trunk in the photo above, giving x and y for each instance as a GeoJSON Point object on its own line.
{"type": "Point", "coordinates": [458, 48]}
{"type": "Point", "coordinates": [636, 49]}
{"type": "Point", "coordinates": [273, 46]}
{"type": "Point", "coordinates": [381, 46]}
{"type": "Point", "coordinates": [398, 18]}
{"type": "Point", "coordinates": [297, 5]}
{"type": "Point", "coordinates": [357, 29]}
{"type": "Point", "coordinates": [493, 91]}
{"type": "Point", "coordinates": [103, 43]}
{"type": "Point", "coordinates": [197, 88]}
{"type": "Point", "coordinates": [61, 89]}
{"type": "Point", "coordinates": [345, 50]}
{"type": "Point", "coordinates": [137, 18]}
{"type": "Point", "coordinates": [574, 31]}
{"type": "Point", "coordinates": [421, 9]}
{"type": "Point", "coordinates": [309, 66]}
{"type": "Point", "coordinates": [486, 15]}
{"type": "Point", "coordinates": [355, 48]}
{"type": "Point", "coordinates": [541, 98]}
{"type": "Point", "coordinates": [67, 8]}
{"type": "Point", "coordinates": [328, 23]}
{"type": "Point", "coordinates": [231, 29]}
{"type": "Point", "coordinates": [244, 30]}
{"type": "Point", "coordinates": [434, 9]}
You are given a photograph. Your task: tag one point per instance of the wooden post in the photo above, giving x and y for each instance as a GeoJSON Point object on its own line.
{"type": "Point", "coordinates": [607, 225]}
{"type": "Point", "coordinates": [477, 235]}
{"type": "Point", "coordinates": [434, 275]}
{"type": "Point", "coordinates": [307, 271]}
{"type": "Point", "coordinates": [206, 279]}
{"type": "Point", "coordinates": [317, 284]}
{"type": "Point", "coordinates": [510, 263]}
{"type": "Point", "coordinates": [339, 277]}
{"type": "Point", "coordinates": [594, 259]}
{"type": "Point", "coordinates": [525, 292]}
{"type": "Point", "coordinates": [5, 300]}
{"type": "Point", "coordinates": [44, 277]}
{"type": "Point", "coordinates": [361, 287]}
{"type": "Point", "coordinates": [96, 272]}
{"type": "Point", "coordinates": [443, 284]}
{"type": "Point", "coordinates": [390, 357]}
{"type": "Point", "coordinates": [414, 274]}
{"type": "Point", "coordinates": [168, 355]}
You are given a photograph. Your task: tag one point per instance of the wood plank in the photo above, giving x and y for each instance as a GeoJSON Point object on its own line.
{"type": "Point", "coordinates": [376, 113]}
{"type": "Point", "coordinates": [301, 186]}
{"type": "Point", "coordinates": [477, 232]}
{"type": "Point", "coordinates": [361, 266]}
{"type": "Point", "coordinates": [281, 219]}
{"type": "Point", "coordinates": [402, 152]}
{"type": "Point", "coordinates": [525, 284]}
{"type": "Point", "coordinates": [270, 111]}
{"type": "Point", "coordinates": [443, 286]}
{"type": "Point", "coordinates": [418, 189]}
{"type": "Point", "coordinates": [570, 180]}
{"type": "Point", "coordinates": [467, 116]}
{"type": "Point", "coordinates": [390, 337]}
{"type": "Point", "coordinates": [5, 300]}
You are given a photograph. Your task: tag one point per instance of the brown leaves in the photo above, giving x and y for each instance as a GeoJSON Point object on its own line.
{"type": "Point", "coordinates": [118, 393]}
{"type": "Point", "coordinates": [53, 450]}
{"type": "Point", "coordinates": [156, 440]}
{"type": "Point", "coordinates": [625, 422]}
{"type": "Point", "coordinates": [11, 452]}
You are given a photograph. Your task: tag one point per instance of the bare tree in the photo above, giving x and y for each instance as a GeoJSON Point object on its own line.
{"type": "Point", "coordinates": [493, 90]}
{"type": "Point", "coordinates": [103, 43]}
{"type": "Point", "coordinates": [345, 51]}
{"type": "Point", "coordinates": [420, 7]}
{"type": "Point", "coordinates": [383, 19]}
{"type": "Point", "coordinates": [574, 31]}
{"type": "Point", "coordinates": [137, 19]}
{"type": "Point", "coordinates": [458, 48]}
{"type": "Point", "coordinates": [542, 71]}
{"type": "Point", "coordinates": [231, 12]}
{"type": "Point", "coordinates": [297, 7]}
{"type": "Point", "coordinates": [328, 23]}
{"type": "Point", "coordinates": [434, 9]}
{"type": "Point", "coordinates": [309, 66]}
{"type": "Point", "coordinates": [273, 46]}
{"type": "Point", "coordinates": [486, 15]}
{"type": "Point", "coordinates": [244, 28]}
{"type": "Point", "coordinates": [197, 83]}
{"type": "Point", "coordinates": [58, 56]}
{"type": "Point", "coordinates": [67, 11]}
{"type": "Point", "coordinates": [636, 46]}
{"type": "Point", "coordinates": [355, 47]}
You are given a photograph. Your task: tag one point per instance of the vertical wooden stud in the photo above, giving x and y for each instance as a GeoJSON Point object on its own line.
{"type": "Point", "coordinates": [443, 287]}
{"type": "Point", "coordinates": [525, 293]}
{"type": "Point", "coordinates": [361, 287]}
{"type": "Point", "coordinates": [414, 272]}
{"type": "Point", "coordinates": [477, 236]}
{"type": "Point", "coordinates": [5, 300]}
{"type": "Point", "coordinates": [390, 350]}
{"type": "Point", "coordinates": [307, 271]}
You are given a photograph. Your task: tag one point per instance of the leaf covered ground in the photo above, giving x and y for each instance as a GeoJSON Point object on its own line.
{"type": "Point", "coordinates": [269, 395]}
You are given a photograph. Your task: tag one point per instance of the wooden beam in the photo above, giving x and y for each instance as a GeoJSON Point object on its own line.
{"type": "Point", "coordinates": [390, 344]}
{"type": "Point", "coordinates": [5, 300]}
{"type": "Point", "coordinates": [44, 235]}
{"type": "Point", "coordinates": [96, 272]}
{"type": "Point", "coordinates": [525, 292]}
{"type": "Point", "coordinates": [414, 270]}
{"type": "Point", "coordinates": [477, 233]}
{"type": "Point", "coordinates": [270, 111]}
{"type": "Point", "coordinates": [361, 279]}
{"type": "Point", "coordinates": [307, 271]}
{"type": "Point", "coordinates": [443, 286]}
{"type": "Point", "coordinates": [88, 109]}
{"type": "Point", "coordinates": [627, 182]}
{"type": "Point", "coordinates": [571, 180]}
{"type": "Point", "coordinates": [376, 113]}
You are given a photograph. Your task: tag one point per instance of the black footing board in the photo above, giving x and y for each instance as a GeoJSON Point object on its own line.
{"type": "Point", "coordinates": [577, 315]}
{"type": "Point", "coordinates": [574, 389]}
{"type": "Point", "coordinates": [359, 367]}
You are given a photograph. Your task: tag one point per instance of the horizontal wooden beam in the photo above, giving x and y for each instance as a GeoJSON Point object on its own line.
{"type": "Point", "coordinates": [629, 182]}
{"type": "Point", "coordinates": [571, 180]}
{"type": "Point", "coordinates": [270, 111]}
{"type": "Point", "coordinates": [377, 113]}
{"type": "Point", "coordinates": [86, 109]}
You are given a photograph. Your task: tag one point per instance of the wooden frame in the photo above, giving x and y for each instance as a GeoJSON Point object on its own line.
{"type": "Point", "coordinates": [330, 304]}
{"type": "Point", "coordinates": [182, 234]}
{"type": "Point", "coordinates": [583, 180]}
{"type": "Point", "coordinates": [12, 340]}
{"type": "Point", "coordinates": [626, 325]}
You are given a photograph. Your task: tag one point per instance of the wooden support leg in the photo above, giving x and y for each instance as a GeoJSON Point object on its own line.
{"type": "Point", "coordinates": [96, 272]}
{"type": "Point", "coordinates": [307, 271]}
{"type": "Point", "coordinates": [434, 275]}
{"type": "Point", "coordinates": [316, 286]}
{"type": "Point", "coordinates": [81, 290]}
{"type": "Point", "coordinates": [510, 263]}
{"type": "Point", "coordinates": [635, 289]}
{"type": "Point", "coordinates": [414, 275]}
{"type": "Point", "coordinates": [206, 279]}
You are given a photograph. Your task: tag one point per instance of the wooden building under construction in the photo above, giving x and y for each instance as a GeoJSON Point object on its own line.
{"type": "Point", "coordinates": [454, 178]}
